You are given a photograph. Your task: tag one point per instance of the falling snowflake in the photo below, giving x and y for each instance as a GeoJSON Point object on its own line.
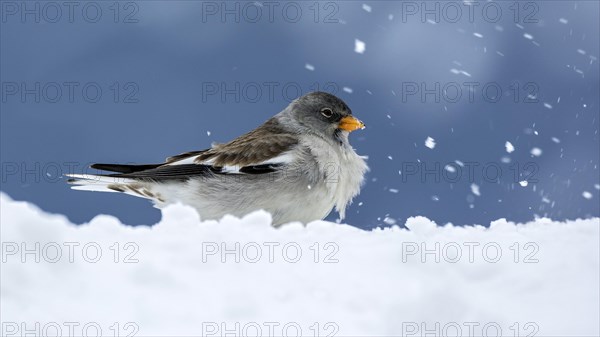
{"type": "Point", "coordinates": [450, 168]}
{"type": "Point", "coordinates": [359, 46]}
{"type": "Point", "coordinates": [475, 189]}
{"type": "Point", "coordinates": [509, 147]}
{"type": "Point", "coordinates": [536, 151]}
{"type": "Point", "coordinates": [430, 142]}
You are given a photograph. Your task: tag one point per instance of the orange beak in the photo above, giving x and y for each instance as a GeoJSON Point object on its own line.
{"type": "Point", "coordinates": [350, 123]}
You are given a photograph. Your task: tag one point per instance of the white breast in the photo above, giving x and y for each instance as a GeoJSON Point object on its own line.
{"type": "Point", "coordinates": [342, 168]}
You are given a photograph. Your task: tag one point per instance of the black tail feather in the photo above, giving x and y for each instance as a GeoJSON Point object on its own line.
{"type": "Point", "coordinates": [124, 168]}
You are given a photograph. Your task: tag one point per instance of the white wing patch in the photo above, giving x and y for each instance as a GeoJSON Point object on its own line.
{"type": "Point", "coordinates": [284, 158]}
{"type": "Point", "coordinates": [188, 160]}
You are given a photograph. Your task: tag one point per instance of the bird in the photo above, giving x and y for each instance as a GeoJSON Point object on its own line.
{"type": "Point", "coordinates": [298, 166]}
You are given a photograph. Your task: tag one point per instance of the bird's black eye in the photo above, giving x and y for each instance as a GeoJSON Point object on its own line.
{"type": "Point", "coordinates": [327, 112]}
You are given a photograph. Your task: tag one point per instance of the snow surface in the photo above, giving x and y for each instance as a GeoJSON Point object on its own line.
{"type": "Point", "coordinates": [372, 286]}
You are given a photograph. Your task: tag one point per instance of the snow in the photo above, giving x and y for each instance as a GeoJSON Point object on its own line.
{"type": "Point", "coordinates": [587, 195]}
{"type": "Point", "coordinates": [536, 151]}
{"type": "Point", "coordinates": [430, 143]}
{"type": "Point", "coordinates": [182, 278]}
{"type": "Point", "coordinates": [523, 183]}
{"type": "Point", "coordinates": [509, 147]}
{"type": "Point", "coordinates": [475, 189]}
{"type": "Point", "coordinates": [348, 90]}
{"type": "Point", "coordinates": [457, 71]}
{"type": "Point", "coordinates": [366, 8]}
{"type": "Point", "coordinates": [359, 46]}
{"type": "Point", "coordinates": [309, 67]}
{"type": "Point", "coordinates": [450, 168]}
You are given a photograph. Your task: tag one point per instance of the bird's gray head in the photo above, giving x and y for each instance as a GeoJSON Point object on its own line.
{"type": "Point", "coordinates": [323, 114]}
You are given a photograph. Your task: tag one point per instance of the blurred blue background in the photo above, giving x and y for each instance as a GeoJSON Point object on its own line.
{"type": "Point", "coordinates": [135, 82]}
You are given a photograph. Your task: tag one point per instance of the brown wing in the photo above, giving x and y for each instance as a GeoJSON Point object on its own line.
{"type": "Point", "coordinates": [248, 152]}
{"type": "Point", "coordinates": [259, 145]}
